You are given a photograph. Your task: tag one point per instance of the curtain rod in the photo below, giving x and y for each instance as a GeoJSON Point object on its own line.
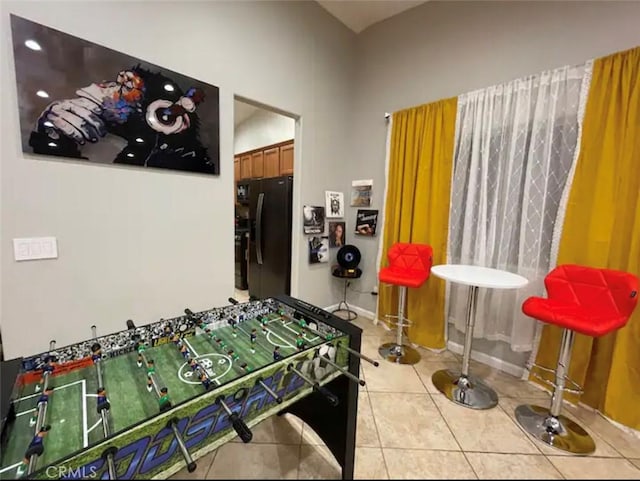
{"type": "Point", "coordinates": [387, 115]}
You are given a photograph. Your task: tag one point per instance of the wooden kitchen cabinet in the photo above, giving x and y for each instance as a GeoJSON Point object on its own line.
{"type": "Point", "coordinates": [272, 162]}
{"type": "Point", "coordinates": [286, 159]}
{"type": "Point", "coordinates": [245, 167]}
{"type": "Point", "coordinates": [269, 161]}
{"type": "Point", "coordinates": [236, 168]}
{"type": "Point", "coordinates": [257, 165]}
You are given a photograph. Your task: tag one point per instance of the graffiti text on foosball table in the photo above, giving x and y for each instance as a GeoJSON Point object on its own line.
{"type": "Point", "coordinates": [145, 454]}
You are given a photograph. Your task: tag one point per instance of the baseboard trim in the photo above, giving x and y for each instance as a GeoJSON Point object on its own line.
{"type": "Point", "coordinates": [358, 310]}
{"type": "Point", "coordinates": [488, 360]}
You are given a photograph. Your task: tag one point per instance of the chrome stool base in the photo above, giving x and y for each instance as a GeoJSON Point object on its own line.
{"type": "Point", "coordinates": [399, 354]}
{"type": "Point", "coordinates": [558, 432]}
{"type": "Point", "coordinates": [468, 391]}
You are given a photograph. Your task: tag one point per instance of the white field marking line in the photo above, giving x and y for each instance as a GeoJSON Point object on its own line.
{"type": "Point", "coordinates": [208, 371]}
{"type": "Point", "coordinates": [269, 340]}
{"type": "Point", "coordinates": [95, 425]}
{"type": "Point", "coordinates": [85, 433]}
{"type": "Point", "coordinates": [9, 468]}
{"type": "Point", "coordinates": [286, 324]}
{"type": "Point", "coordinates": [57, 388]}
{"type": "Point", "coordinates": [190, 347]}
{"type": "Point", "coordinates": [283, 340]}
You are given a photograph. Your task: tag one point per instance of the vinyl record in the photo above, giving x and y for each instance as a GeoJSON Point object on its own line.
{"type": "Point", "coordinates": [349, 257]}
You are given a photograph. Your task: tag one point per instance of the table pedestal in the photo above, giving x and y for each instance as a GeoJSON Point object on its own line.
{"type": "Point", "coordinates": [351, 314]}
{"type": "Point", "coordinates": [463, 388]}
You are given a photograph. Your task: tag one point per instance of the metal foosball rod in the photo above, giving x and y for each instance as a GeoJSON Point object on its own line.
{"type": "Point", "coordinates": [42, 410]}
{"type": "Point", "coordinates": [238, 424]}
{"type": "Point", "coordinates": [103, 404]}
{"type": "Point", "coordinates": [342, 370]}
{"type": "Point", "coordinates": [329, 396]}
{"type": "Point", "coordinates": [165, 405]}
{"type": "Point", "coordinates": [269, 391]}
{"type": "Point", "coordinates": [360, 355]}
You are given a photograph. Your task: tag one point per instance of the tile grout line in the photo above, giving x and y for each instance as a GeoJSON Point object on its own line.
{"type": "Point", "coordinates": [446, 423]}
{"type": "Point", "coordinates": [215, 455]}
{"type": "Point", "coordinates": [299, 456]}
{"type": "Point", "coordinates": [375, 423]}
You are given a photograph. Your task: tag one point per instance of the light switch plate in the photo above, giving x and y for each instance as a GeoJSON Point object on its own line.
{"type": "Point", "coordinates": [33, 248]}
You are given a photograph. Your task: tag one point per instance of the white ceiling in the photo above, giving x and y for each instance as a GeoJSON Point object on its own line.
{"type": "Point", "coordinates": [242, 111]}
{"type": "Point", "coordinates": [360, 14]}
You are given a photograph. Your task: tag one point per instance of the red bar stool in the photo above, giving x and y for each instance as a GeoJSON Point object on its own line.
{"type": "Point", "coordinates": [409, 266]}
{"type": "Point", "coordinates": [593, 302]}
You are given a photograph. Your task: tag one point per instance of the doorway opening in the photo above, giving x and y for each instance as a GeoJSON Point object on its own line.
{"type": "Point", "coordinates": [263, 177]}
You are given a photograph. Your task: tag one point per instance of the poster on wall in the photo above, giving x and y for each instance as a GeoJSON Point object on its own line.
{"type": "Point", "coordinates": [334, 202]}
{"type": "Point", "coordinates": [80, 100]}
{"type": "Point", "coordinates": [366, 222]}
{"type": "Point", "coordinates": [337, 234]}
{"type": "Point", "coordinates": [313, 219]}
{"type": "Point", "coordinates": [361, 193]}
{"type": "Point", "coordinates": [318, 250]}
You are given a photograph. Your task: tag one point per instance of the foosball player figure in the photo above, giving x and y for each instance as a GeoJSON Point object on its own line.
{"type": "Point", "coordinates": [96, 353]}
{"type": "Point", "coordinates": [164, 402]}
{"type": "Point", "coordinates": [36, 446]}
{"type": "Point", "coordinates": [221, 344]}
{"type": "Point", "coordinates": [302, 323]}
{"type": "Point", "coordinates": [140, 348]}
{"type": "Point", "coordinates": [276, 354]}
{"type": "Point", "coordinates": [34, 418]}
{"type": "Point", "coordinates": [300, 342]}
{"type": "Point", "coordinates": [184, 351]}
{"type": "Point", "coordinates": [254, 339]}
{"type": "Point", "coordinates": [204, 379]}
{"type": "Point", "coordinates": [234, 327]}
{"type": "Point", "coordinates": [44, 397]}
{"type": "Point", "coordinates": [193, 365]}
{"type": "Point", "coordinates": [244, 367]}
{"type": "Point", "coordinates": [233, 355]}
{"type": "Point", "coordinates": [103, 402]}
{"type": "Point", "coordinates": [151, 370]}
{"type": "Point", "coordinates": [329, 337]}
{"type": "Point", "coordinates": [263, 322]}
{"type": "Point", "coordinates": [176, 339]}
{"type": "Point", "coordinates": [47, 368]}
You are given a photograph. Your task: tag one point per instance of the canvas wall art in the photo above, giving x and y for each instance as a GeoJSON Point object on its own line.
{"type": "Point", "coordinates": [334, 203]}
{"type": "Point", "coordinates": [337, 234]}
{"type": "Point", "coordinates": [80, 100]}
{"type": "Point", "coordinates": [318, 250]}
{"type": "Point", "coordinates": [313, 219]}
{"type": "Point", "coordinates": [366, 222]}
{"type": "Point", "coordinates": [361, 193]}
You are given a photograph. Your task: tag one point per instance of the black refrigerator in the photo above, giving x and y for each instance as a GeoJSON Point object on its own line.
{"type": "Point", "coordinates": [270, 236]}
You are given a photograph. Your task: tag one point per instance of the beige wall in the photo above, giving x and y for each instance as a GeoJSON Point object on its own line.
{"type": "Point", "coordinates": [143, 244]}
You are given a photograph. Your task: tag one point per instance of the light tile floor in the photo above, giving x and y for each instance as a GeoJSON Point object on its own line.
{"type": "Point", "coordinates": [408, 430]}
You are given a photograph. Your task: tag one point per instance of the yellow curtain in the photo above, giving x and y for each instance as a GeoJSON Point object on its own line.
{"type": "Point", "coordinates": [602, 229]}
{"type": "Point", "coordinates": [417, 208]}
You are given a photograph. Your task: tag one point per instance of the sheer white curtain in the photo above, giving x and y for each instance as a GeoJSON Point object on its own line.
{"type": "Point", "coordinates": [515, 147]}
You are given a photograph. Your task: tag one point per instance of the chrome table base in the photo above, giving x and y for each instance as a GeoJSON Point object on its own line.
{"type": "Point", "coordinates": [399, 354]}
{"type": "Point", "coordinates": [468, 391]}
{"type": "Point", "coordinates": [558, 432]}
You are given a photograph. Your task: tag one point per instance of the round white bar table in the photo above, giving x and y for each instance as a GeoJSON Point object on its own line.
{"type": "Point", "coordinates": [461, 387]}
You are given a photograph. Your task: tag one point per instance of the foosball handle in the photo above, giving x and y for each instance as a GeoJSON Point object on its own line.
{"type": "Point", "coordinates": [241, 428]}
{"type": "Point", "coordinates": [130, 324]}
{"type": "Point", "coordinates": [331, 398]}
{"type": "Point", "coordinates": [233, 301]}
{"type": "Point", "coordinates": [188, 312]}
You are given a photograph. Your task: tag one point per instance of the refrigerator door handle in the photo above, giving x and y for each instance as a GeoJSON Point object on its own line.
{"type": "Point", "coordinates": [259, 228]}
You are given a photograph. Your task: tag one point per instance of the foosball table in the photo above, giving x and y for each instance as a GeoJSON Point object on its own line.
{"type": "Point", "coordinates": [147, 401]}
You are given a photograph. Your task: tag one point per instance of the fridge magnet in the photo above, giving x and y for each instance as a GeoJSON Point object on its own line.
{"type": "Point", "coordinates": [80, 100]}
{"type": "Point", "coordinates": [366, 222]}
{"type": "Point", "coordinates": [361, 193]}
{"type": "Point", "coordinates": [334, 202]}
{"type": "Point", "coordinates": [318, 250]}
{"type": "Point", "coordinates": [313, 219]}
{"type": "Point", "coordinates": [337, 234]}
